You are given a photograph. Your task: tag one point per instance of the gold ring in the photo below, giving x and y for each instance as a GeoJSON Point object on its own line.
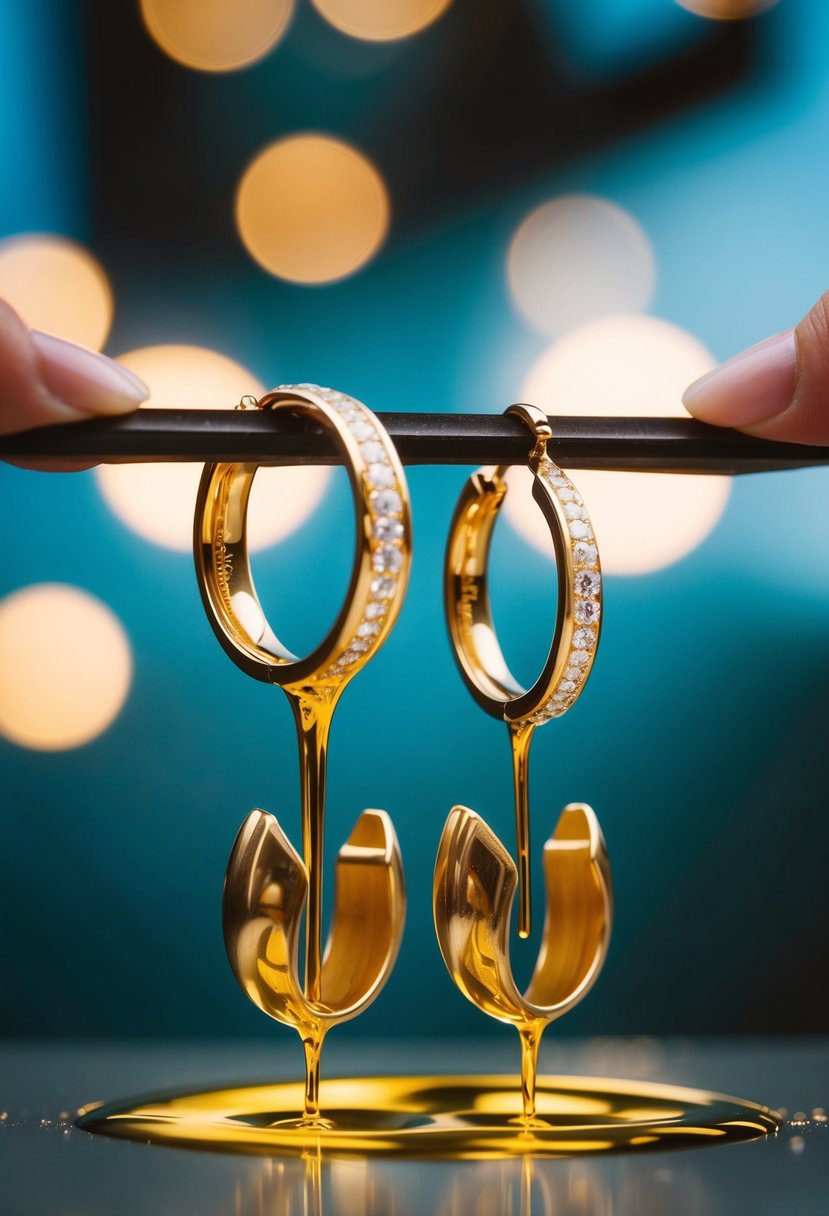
{"type": "Point", "coordinates": [579, 610]}
{"type": "Point", "coordinates": [382, 554]}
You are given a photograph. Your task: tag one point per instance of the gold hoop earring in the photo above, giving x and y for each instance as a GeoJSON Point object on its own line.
{"type": "Point", "coordinates": [267, 883]}
{"type": "Point", "coordinates": [475, 877]}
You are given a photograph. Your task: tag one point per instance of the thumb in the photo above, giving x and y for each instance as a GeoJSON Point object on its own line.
{"type": "Point", "coordinates": [778, 389]}
{"type": "Point", "coordinates": [44, 379]}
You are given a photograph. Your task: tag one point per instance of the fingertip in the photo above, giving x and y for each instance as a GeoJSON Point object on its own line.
{"type": "Point", "coordinates": [85, 381]}
{"type": "Point", "coordinates": [752, 387]}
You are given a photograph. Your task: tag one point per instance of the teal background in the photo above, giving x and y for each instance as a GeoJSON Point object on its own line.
{"type": "Point", "coordinates": [701, 740]}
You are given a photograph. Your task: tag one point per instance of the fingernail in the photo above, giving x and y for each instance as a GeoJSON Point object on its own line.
{"type": "Point", "coordinates": [84, 380]}
{"type": "Point", "coordinates": [754, 385]}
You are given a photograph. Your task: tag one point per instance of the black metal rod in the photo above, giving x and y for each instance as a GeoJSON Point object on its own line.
{"type": "Point", "coordinates": [657, 445]}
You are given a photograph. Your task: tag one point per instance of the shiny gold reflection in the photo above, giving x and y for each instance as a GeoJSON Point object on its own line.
{"type": "Point", "coordinates": [381, 20]}
{"type": "Point", "coordinates": [216, 35]}
{"type": "Point", "coordinates": [266, 888]}
{"type": "Point", "coordinates": [343, 1186]}
{"type": "Point", "coordinates": [528, 1187]}
{"type": "Point", "coordinates": [727, 10]}
{"type": "Point", "coordinates": [312, 209]}
{"type": "Point", "coordinates": [57, 286]}
{"type": "Point", "coordinates": [474, 887]}
{"type": "Point", "coordinates": [437, 1117]}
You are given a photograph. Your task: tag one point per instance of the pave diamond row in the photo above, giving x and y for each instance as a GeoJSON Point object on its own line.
{"type": "Point", "coordinates": [385, 506]}
{"type": "Point", "coordinates": [587, 599]}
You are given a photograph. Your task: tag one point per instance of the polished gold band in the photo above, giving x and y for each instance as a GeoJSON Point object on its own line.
{"type": "Point", "coordinates": [578, 616]}
{"type": "Point", "coordinates": [381, 561]}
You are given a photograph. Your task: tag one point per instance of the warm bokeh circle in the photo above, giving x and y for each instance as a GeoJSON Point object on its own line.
{"type": "Point", "coordinates": [381, 20]}
{"type": "Point", "coordinates": [157, 500]}
{"type": "Point", "coordinates": [620, 366]}
{"type": "Point", "coordinates": [65, 667]}
{"type": "Point", "coordinates": [58, 286]}
{"type": "Point", "coordinates": [578, 257]}
{"type": "Point", "coordinates": [312, 209]}
{"type": "Point", "coordinates": [216, 35]}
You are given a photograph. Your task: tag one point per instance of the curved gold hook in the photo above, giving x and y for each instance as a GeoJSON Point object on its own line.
{"type": "Point", "coordinates": [266, 888]}
{"type": "Point", "coordinates": [474, 887]}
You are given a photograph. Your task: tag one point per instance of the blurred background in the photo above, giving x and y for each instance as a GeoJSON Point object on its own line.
{"type": "Point", "coordinates": [441, 205]}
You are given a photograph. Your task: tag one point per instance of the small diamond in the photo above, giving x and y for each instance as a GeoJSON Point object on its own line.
{"type": "Point", "coordinates": [584, 554]}
{"type": "Point", "coordinates": [388, 557]}
{"type": "Point", "coordinates": [368, 629]}
{"type": "Point", "coordinates": [587, 611]}
{"type": "Point", "coordinates": [574, 673]}
{"type": "Point", "coordinates": [386, 528]}
{"type": "Point", "coordinates": [374, 610]}
{"type": "Point", "coordinates": [566, 687]}
{"type": "Point", "coordinates": [584, 639]}
{"type": "Point", "coordinates": [381, 475]}
{"type": "Point", "coordinates": [383, 588]}
{"type": "Point", "coordinates": [579, 530]}
{"type": "Point", "coordinates": [565, 494]}
{"type": "Point", "coordinates": [357, 646]}
{"type": "Point", "coordinates": [588, 583]}
{"type": "Point", "coordinates": [362, 430]}
{"type": "Point", "coordinates": [545, 468]}
{"type": "Point", "coordinates": [578, 658]}
{"type": "Point", "coordinates": [558, 478]}
{"type": "Point", "coordinates": [573, 511]}
{"type": "Point", "coordinates": [387, 502]}
{"type": "Point", "coordinates": [373, 451]}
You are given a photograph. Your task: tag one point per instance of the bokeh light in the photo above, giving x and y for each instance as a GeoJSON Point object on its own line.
{"type": "Point", "coordinates": [57, 286]}
{"type": "Point", "coordinates": [576, 258]}
{"type": "Point", "coordinates": [65, 667]}
{"type": "Point", "coordinates": [157, 500]}
{"type": "Point", "coordinates": [312, 209]}
{"type": "Point", "coordinates": [727, 10]}
{"type": "Point", "coordinates": [216, 35]}
{"type": "Point", "coordinates": [381, 20]}
{"type": "Point", "coordinates": [620, 366]}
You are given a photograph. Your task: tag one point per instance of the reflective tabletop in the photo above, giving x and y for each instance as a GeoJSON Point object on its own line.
{"type": "Point", "coordinates": [51, 1168]}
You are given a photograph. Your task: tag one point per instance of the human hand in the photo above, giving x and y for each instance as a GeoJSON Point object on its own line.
{"type": "Point", "coordinates": [44, 379]}
{"type": "Point", "coordinates": [778, 389]}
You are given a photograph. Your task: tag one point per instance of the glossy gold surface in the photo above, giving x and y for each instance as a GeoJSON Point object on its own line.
{"type": "Point", "coordinates": [475, 881]}
{"type": "Point", "coordinates": [265, 889]}
{"type": "Point", "coordinates": [326, 993]}
{"type": "Point", "coordinates": [472, 632]}
{"type": "Point", "coordinates": [460, 1117]}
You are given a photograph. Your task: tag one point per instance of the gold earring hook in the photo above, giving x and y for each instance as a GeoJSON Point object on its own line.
{"type": "Point", "coordinates": [539, 424]}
